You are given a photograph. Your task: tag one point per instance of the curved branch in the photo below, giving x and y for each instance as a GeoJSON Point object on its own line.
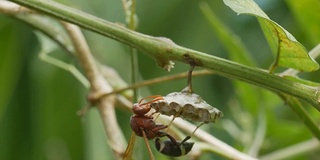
{"type": "Point", "coordinates": [98, 85]}
{"type": "Point", "coordinates": [164, 50]}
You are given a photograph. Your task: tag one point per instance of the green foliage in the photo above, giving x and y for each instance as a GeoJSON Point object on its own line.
{"type": "Point", "coordinates": [39, 101]}
{"type": "Point", "coordinates": [289, 52]}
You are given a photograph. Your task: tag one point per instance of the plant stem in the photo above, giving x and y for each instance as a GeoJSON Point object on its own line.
{"type": "Point", "coordinates": [260, 134]}
{"type": "Point", "coordinates": [129, 9]}
{"type": "Point", "coordinates": [163, 50]}
{"type": "Point", "coordinates": [98, 85]}
{"type": "Point", "coordinates": [293, 150]}
{"type": "Point", "coordinates": [297, 107]}
{"type": "Point", "coordinates": [159, 80]}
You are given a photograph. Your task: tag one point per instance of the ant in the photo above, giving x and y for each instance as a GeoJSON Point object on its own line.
{"type": "Point", "coordinates": [144, 126]}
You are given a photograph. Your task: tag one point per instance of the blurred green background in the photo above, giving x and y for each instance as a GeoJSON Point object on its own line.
{"type": "Point", "coordinates": [38, 101]}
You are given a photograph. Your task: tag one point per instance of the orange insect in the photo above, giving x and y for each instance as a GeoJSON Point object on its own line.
{"type": "Point", "coordinates": [144, 126]}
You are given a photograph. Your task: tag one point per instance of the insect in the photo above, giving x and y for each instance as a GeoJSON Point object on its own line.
{"type": "Point", "coordinates": [184, 104]}
{"type": "Point", "coordinates": [141, 123]}
{"type": "Point", "coordinates": [144, 126]}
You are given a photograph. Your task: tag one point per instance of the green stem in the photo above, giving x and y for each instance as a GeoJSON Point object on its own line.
{"type": "Point", "coordinates": [163, 50]}
{"type": "Point", "coordinates": [132, 23]}
{"type": "Point", "coordinates": [134, 72]}
{"type": "Point", "coordinates": [293, 150]}
{"type": "Point", "coordinates": [133, 51]}
{"type": "Point", "coordinates": [129, 10]}
{"type": "Point", "coordinates": [296, 106]}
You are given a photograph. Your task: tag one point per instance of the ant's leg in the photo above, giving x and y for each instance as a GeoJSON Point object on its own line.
{"type": "Point", "coordinates": [128, 152]}
{"type": "Point", "coordinates": [174, 117]}
{"type": "Point", "coordinates": [155, 118]}
{"type": "Point", "coordinates": [185, 139]}
{"type": "Point", "coordinates": [161, 134]}
{"type": "Point", "coordinates": [147, 144]}
{"type": "Point", "coordinates": [173, 140]}
{"type": "Point", "coordinates": [158, 128]}
{"type": "Point", "coordinates": [197, 128]}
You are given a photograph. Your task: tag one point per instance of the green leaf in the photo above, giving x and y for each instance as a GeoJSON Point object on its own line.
{"type": "Point", "coordinates": [307, 14]}
{"type": "Point", "coordinates": [290, 53]}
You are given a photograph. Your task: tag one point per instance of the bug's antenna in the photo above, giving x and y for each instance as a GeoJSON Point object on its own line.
{"type": "Point", "coordinates": [174, 117]}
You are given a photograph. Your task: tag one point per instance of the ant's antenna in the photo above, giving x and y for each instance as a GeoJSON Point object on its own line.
{"type": "Point", "coordinates": [147, 144]}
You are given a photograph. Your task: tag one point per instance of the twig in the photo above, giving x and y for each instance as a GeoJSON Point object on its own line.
{"type": "Point", "coordinates": [294, 150]}
{"type": "Point", "coordinates": [296, 105]}
{"type": "Point", "coordinates": [10, 8]}
{"type": "Point", "coordinates": [259, 134]}
{"type": "Point", "coordinates": [98, 85]}
{"type": "Point", "coordinates": [164, 50]}
{"type": "Point", "coordinates": [159, 80]}
{"type": "Point", "coordinates": [41, 22]}
{"type": "Point", "coordinates": [220, 71]}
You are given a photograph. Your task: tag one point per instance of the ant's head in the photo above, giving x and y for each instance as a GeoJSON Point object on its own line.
{"type": "Point", "coordinates": [140, 109]}
{"type": "Point", "coordinates": [143, 108]}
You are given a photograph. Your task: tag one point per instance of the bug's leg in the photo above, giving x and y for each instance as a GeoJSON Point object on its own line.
{"type": "Point", "coordinates": [128, 153]}
{"type": "Point", "coordinates": [158, 127]}
{"type": "Point", "coordinates": [185, 140]}
{"type": "Point", "coordinates": [155, 118]}
{"type": "Point", "coordinates": [174, 117]}
{"type": "Point", "coordinates": [197, 128]}
{"type": "Point", "coordinates": [147, 144]}
{"type": "Point", "coordinates": [173, 140]}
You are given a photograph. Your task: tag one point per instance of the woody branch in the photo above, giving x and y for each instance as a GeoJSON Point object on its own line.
{"type": "Point", "coordinates": [163, 50]}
